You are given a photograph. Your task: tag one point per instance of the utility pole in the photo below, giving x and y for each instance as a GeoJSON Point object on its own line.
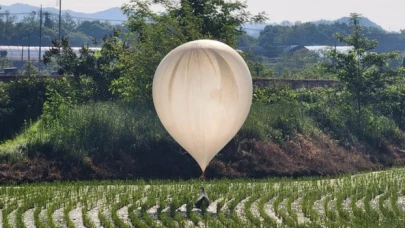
{"type": "Point", "coordinates": [7, 15]}
{"type": "Point", "coordinates": [60, 18]}
{"type": "Point", "coordinates": [29, 46]}
{"type": "Point", "coordinates": [40, 35]}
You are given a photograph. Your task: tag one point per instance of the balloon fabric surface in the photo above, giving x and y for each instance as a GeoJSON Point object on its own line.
{"type": "Point", "coordinates": [202, 92]}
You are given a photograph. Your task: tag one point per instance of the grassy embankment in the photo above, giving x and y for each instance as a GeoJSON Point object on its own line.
{"type": "Point", "coordinates": [288, 132]}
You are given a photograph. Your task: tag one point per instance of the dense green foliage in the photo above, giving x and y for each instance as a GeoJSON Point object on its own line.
{"type": "Point", "coordinates": [365, 76]}
{"type": "Point", "coordinates": [129, 134]}
{"type": "Point", "coordinates": [271, 56]}
{"type": "Point", "coordinates": [152, 35]}
{"type": "Point", "coordinates": [101, 115]}
{"type": "Point", "coordinates": [92, 71]}
{"type": "Point", "coordinates": [323, 34]}
{"type": "Point", "coordinates": [20, 101]}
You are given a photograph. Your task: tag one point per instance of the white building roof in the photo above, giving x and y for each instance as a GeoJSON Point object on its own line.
{"type": "Point", "coordinates": [24, 53]}
{"type": "Point", "coordinates": [322, 49]}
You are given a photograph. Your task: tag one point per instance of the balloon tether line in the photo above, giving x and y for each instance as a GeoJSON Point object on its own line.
{"type": "Point", "coordinates": [202, 177]}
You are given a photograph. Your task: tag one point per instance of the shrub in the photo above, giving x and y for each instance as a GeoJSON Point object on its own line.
{"type": "Point", "coordinates": [20, 101]}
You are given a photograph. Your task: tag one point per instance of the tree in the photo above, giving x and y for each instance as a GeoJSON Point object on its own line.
{"type": "Point", "coordinates": [29, 69]}
{"type": "Point", "coordinates": [25, 32]}
{"type": "Point", "coordinates": [48, 21]}
{"type": "Point", "coordinates": [100, 67]}
{"type": "Point", "coordinates": [4, 62]}
{"type": "Point", "coordinates": [64, 55]}
{"type": "Point", "coordinates": [95, 28]}
{"type": "Point", "coordinates": [3, 54]}
{"type": "Point", "coordinates": [363, 74]}
{"type": "Point", "coordinates": [7, 27]}
{"type": "Point", "coordinates": [152, 35]}
{"type": "Point", "coordinates": [69, 24]}
{"type": "Point", "coordinates": [291, 65]}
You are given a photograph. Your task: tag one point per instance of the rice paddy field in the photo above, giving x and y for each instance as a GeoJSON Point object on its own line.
{"type": "Point", "coordinates": [364, 200]}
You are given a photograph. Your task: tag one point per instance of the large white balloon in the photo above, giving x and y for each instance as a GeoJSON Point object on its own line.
{"type": "Point", "coordinates": [202, 92]}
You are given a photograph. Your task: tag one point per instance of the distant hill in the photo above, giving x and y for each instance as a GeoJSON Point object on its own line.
{"type": "Point", "coordinates": [114, 15]}
{"type": "Point", "coordinates": [363, 21]}
{"type": "Point", "coordinates": [254, 29]}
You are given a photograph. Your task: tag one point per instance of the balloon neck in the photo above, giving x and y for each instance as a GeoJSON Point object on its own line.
{"type": "Point", "coordinates": [202, 177]}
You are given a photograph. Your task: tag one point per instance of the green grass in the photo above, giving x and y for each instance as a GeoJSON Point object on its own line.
{"type": "Point", "coordinates": [277, 115]}
{"type": "Point", "coordinates": [377, 200]}
{"type": "Point", "coordinates": [104, 128]}
{"type": "Point", "coordinates": [16, 148]}
{"type": "Point", "coordinates": [85, 130]}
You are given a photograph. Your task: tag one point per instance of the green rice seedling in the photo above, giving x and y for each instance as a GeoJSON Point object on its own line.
{"type": "Point", "coordinates": [19, 217]}
{"type": "Point", "coordinates": [38, 221]}
{"type": "Point", "coordinates": [344, 215]}
{"type": "Point", "coordinates": [176, 216]}
{"type": "Point", "coordinates": [387, 215]}
{"type": "Point", "coordinates": [381, 193]}
{"type": "Point", "coordinates": [104, 220]}
{"type": "Point", "coordinates": [276, 204]}
{"type": "Point", "coordinates": [49, 211]}
{"type": "Point", "coordinates": [166, 220]}
{"type": "Point", "coordinates": [255, 221]}
{"type": "Point", "coordinates": [214, 223]}
{"type": "Point", "coordinates": [232, 206]}
{"type": "Point", "coordinates": [191, 214]}
{"type": "Point", "coordinates": [282, 212]}
{"type": "Point", "coordinates": [174, 204]}
{"type": "Point", "coordinates": [114, 216]}
{"type": "Point", "coordinates": [358, 213]}
{"type": "Point", "coordinates": [149, 220]}
{"type": "Point", "coordinates": [394, 203]}
{"type": "Point", "coordinates": [372, 215]}
{"type": "Point", "coordinates": [86, 219]}
{"type": "Point", "coordinates": [308, 201]}
{"type": "Point", "coordinates": [268, 221]}
{"type": "Point", "coordinates": [66, 211]}
{"type": "Point", "coordinates": [289, 202]}
{"type": "Point", "coordinates": [135, 218]}
{"type": "Point", "coordinates": [223, 218]}
{"type": "Point", "coordinates": [180, 219]}
{"type": "Point", "coordinates": [144, 215]}
{"type": "Point", "coordinates": [10, 208]}
{"type": "Point", "coordinates": [220, 205]}
{"type": "Point", "coordinates": [332, 218]}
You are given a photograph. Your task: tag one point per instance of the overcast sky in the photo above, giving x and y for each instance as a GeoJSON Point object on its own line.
{"type": "Point", "coordinates": [390, 14]}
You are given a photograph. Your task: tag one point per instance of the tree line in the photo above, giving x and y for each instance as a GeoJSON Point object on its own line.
{"type": "Point", "coordinates": [323, 34]}
{"type": "Point", "coordinates": [27, 31]}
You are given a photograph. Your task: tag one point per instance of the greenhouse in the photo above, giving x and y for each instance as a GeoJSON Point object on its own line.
{"type": "Point", "coordinates": [321, 50]}
{"type": "Point", "coordinates": [32, 53]}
